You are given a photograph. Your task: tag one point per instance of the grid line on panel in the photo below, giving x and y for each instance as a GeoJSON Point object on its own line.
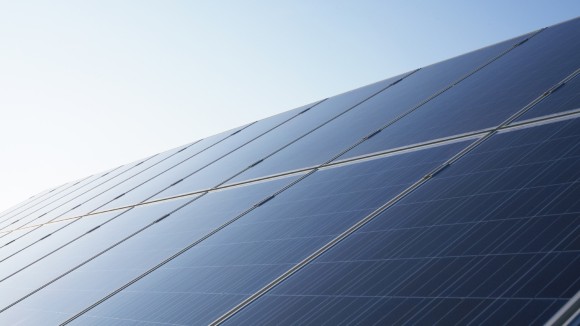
{"type": "Point", "coordinates": [34, 227]}
{"type": "Point", "coordinates": [322, 124]}
{"type": "Point", "coordinates": [257, 162]}
{"type": "Point", "coordinates": [226, 154]}
{"type": "Point", "coordinates": [193, 244]}
{"type": "Point", "coordinates": [96, 180]}
{"type": "Point", "coordinates": [53, 193]}
{"type": "Point", "coordinates": [104, 191]}
{"type": "Point", "coordinates": [48, 194]}
{"type": "Point", "coordinates": [34, 200]}
{"type": "Point", "coordinates": [351, 160]}
{"type": "Point", "coordinates": [142, 229]}
{"type": "Point", "coordinates": [74, 219]}
{"type": "Point", "coordinates": [263, 201]}
{"type": "Point", "coordinates": [436, 94]}
{"type": "Point", "coordinates": [93, 257]}
{"type": "Point", "coordinates": [390, 203]}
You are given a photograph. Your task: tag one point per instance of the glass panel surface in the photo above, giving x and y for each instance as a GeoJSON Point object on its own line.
{"type": "Point", "coordinates": [203, 160]}
{"type": "Point", "coordinates": [80, 203]}
{"type": "Point", "coordinates": [67, 231]}
{"type": "Point", "coordinates": [132, 257]}
{"type": "Point", "coordinates": [238, 160]}
{"type": "Point", "coordinates": [32, 201]}
{"type": "Point", "coordinates": [33, 232]}
{"type": "Point", "coordinates": [492, 239]}
{"type": "Point", "coordinates": [335, 137]}
{"type": "Point", "coordinates": [26, 216]}
{"type": "Point", "coordinates": [563, 99]}
{"type": "Point", "coordinates": [491, 95]}
{"type": "Point", "coordinates": [217, 273]}
{"type": "Point", "coordinates": [78, 252]}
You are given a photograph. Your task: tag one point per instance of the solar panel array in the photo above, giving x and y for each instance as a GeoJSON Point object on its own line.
{"type": "Point", "coordinates": [446, 195]}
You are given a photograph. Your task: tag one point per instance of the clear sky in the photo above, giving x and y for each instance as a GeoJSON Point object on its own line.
{"type": "Point", "coordinates": [89, 85]}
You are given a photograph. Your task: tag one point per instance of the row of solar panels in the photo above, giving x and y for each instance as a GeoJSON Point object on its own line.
{"type": "Point", "coordinates": [476, 241]}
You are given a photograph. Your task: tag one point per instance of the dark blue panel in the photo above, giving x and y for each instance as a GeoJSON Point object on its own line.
{"type": "Point", "coordinates": [214, 275]}
{"type": "Point", "coordinates": [491, 95]}
{"type": "Point", "coordinates": [275, 140]}
{"type": "Point", "coordinates": [335, 137]}
{"type": "Point", "coordinates": [121, 263]}
{"type": "Point", "coordinates": [565, 98]}
{"type": "Point", "coordinates": [492, 239]}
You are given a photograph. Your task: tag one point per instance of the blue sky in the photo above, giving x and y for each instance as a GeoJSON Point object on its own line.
{"type": "Point", "coordinates": [89, 85]}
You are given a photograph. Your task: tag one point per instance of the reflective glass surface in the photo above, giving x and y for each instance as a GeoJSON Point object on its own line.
{"type": "Point", "coordinates": [493, 239]}
{"type": "Point", "coordinates": [337, 136]}
{"type": "Point", "coordinates": [212, 276]}
{"type": "Point", "coordinates": [116, 184]}
{"type": "Point", "coordinates": [564, 99]}
{"type": "Point", "coordinates": [33, 201]}
{"type": "Point", "coordinates": [78, 252]}
{"type": "Point", "coordinates": [277, 139]}
{"type": "Point", "coordinates": [490, 96]}
{"type": "Point", "coordinates": [203, 160]}
{"type": "Point", "coordinates": [26, 216]}
{"type": "Point", "coordinates": [61, 210]}
{"type": "Point", "coordinates": [131, 258]}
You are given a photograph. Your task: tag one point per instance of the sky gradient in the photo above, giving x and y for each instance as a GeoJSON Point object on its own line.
{"type": "Point", "coordinates": [88, 86]}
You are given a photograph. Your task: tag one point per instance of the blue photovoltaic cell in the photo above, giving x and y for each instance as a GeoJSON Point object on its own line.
{"type": "Point", "coordinates": [34, 201]}
{"type": "Point", "coordinates": [117, 191]}
{"type": "Point", "coordinates": [115, 184]}
{"type": "Point", "coordinates": [131, 258]}
{"type": "Point", "coordinates": [493, 239]}
{"type": "Point", "coordinates": [277, 139]}
{"type": "Point", "coordinates": [54, 265]}
{"type": "Point", "coordinates": [330, 140]}
{"type": "Point", "coordinates": [20, 241]}
{"type": "Point", "coordinates": [490, 96]}
{"type": "Point", "coordinates": [26, 216]}
{"type": "Point", "coordinates": [206, 158]}
{"type": "Point", "coordinates": [564, 99]}
{"type": "Point", "coordinates": [214, 275]}
{"type": "Point", "coordinates": [15, 263]}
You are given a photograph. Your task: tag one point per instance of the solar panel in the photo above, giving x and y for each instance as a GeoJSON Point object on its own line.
{"type": "Point", "coordinates": [491, 95]}
{"type": "Point", "coordinates": [445, 195]}
{"type": "Point", "coordinates": [233, 263]}
{"type": "Point", "coordinates": [339, 135]}
{"type": "Point", "coordinates": [492, 239]}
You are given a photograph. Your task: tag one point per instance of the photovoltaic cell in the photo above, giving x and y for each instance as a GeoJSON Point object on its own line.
{"type": "Point", "coordinates": [277, 139]}
{"type": "Point", "coordinates": [337, 136]}
{"type": "Point", "coordinates": [389, 232]}
{"type": "Point", "coordinates": [22, 240]}
{"type": "Point", "coordinates": [25, 217]}
{"type": "Point", "coordinates": [492, 239]}
{"type": "Point", "coordinates": [78, 203]}
{"type": "Point", "coordinates": [212, 276]}
{"type": "Point", "coordinates": [53, 266]}
{"type": "Point", "coordinates": [134, 256]}
{"type": "Point", "coordinates": [33, 201]}
{"type": "Point", "coordinates": [204, 159]}
{"type": "Point", "coordinates": [566, 98]}
{"type": "Point", "coordinates": [490, 96]}
{"type": "Point", "coordinates": [14, 263]}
